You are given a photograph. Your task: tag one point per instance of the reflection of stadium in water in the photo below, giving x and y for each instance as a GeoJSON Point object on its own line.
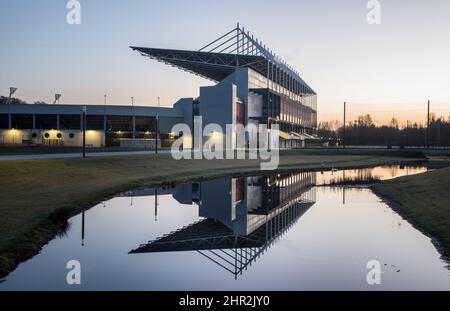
{"type": "Point", "coordinates": [242, 217]}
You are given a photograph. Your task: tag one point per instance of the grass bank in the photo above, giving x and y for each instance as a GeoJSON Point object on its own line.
{"type": "Point", "coordinates": [424, 200]}
{"type": "Point", "coordinates": [38, 196]}
{"type": "Point", "coordinates": [20, 150]}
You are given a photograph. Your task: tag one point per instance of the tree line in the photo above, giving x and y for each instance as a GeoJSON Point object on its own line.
{"type": "Point", "coordinates": [363, 132]}
{"type": "Point", "coordinates": [16, 101]}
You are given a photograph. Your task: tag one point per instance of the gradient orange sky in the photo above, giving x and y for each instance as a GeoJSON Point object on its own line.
{"type": "Point", "coordinates": [388, 70]}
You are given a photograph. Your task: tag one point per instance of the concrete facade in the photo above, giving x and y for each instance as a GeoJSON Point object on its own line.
{"type": "Point", "coordinates": [39, 124]}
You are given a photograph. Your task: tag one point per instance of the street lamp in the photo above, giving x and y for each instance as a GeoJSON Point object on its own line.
{"type": "Point", "coordinates": [157, 126]}
{"type": "Point", "coordinates": [82, 229]}
{"type": "Point", "coordinates": [156, 204]}
{"type": "Point", "coordinates": [84, 131]}
{"type": "Point", "coordinates": [134, 117]}
{"type": "Point", "coordinates": [104, 112]}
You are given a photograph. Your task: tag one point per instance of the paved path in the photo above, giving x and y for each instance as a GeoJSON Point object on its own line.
{"type": "Point", "coordinates": [76, 155]}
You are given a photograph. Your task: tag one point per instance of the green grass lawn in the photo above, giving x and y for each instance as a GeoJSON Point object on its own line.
{"type": "Point", "coordinates": [424, 200]}
{"type": "Point", "coordinates": [19, 150]}
{"type": "Point", "coordinates": [37, 196]}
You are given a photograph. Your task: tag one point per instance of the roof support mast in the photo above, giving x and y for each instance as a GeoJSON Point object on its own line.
{"type": "Point", "coordinates": [237, 45]}
{"type": "Point", "coordinates": [237, 48]}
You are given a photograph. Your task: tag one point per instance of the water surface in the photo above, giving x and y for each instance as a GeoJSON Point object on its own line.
{"type": "Point", "coordinates": [277, 232]}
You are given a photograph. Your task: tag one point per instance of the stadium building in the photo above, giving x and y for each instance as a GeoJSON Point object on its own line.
{"type": "Point", "coordinates": [106, 125]}
{"type": "Point", "coordinates": [253, 86]}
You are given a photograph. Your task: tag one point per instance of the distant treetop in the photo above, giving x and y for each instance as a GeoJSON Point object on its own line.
{"type": "Point", "coordinates": [17, 101]}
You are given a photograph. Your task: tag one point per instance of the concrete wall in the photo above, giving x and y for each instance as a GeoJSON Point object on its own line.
{"type": "Point", "coordinates": [14, 137]}
{"type": "Point", "coordinates": [218, 106]}
{"type": "Point", "coordinates": [17, 137]}
{"type": "Point", "coordinates": [139, 143]}
{"type": "Point", "coordinates": [186, 105]}
{"type": "Point", "coordinates": [223, 209]}
{"type": "Point", "coordinates": [94, 138]}
{"type": "Point", "coordinates": [166, 123]}
{"type": "Point", "coordinates": [240, 79]}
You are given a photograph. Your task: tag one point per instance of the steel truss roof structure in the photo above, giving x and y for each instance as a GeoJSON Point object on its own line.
{"type": "Point", "coordinates": [218, 243]}
{"type": "Point", "coordinates": [237, 48]}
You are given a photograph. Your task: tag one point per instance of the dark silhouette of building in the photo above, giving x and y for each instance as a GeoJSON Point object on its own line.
{"type": "Point", "coordinates": [243, 217]}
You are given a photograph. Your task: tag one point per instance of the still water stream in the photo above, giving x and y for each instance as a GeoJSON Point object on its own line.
{"type": "Point", "coordinates": [278, 232]}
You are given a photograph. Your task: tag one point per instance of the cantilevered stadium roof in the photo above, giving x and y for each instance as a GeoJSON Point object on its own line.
{"type": "Point", "coordinates": [214, 66]}
{"type": "Point", "coordinates": [221, 57]}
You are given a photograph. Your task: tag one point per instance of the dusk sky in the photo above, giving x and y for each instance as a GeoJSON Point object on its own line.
{"type": "Point", "coordinates": [387, 70]}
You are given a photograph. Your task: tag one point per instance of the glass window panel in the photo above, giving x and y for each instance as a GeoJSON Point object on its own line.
{"type": "Point", "coordinates": [119, 123]}
{"type": "Point", "coordinates": [145, 124]}
{"type": "Point", "coordinates": [95, 122]}
{"type": "Point", "coordinates": [22, 121]}
{"type": "Point", "coordinates": [70, 122]}
{"type": "Point", "coordinates": [46, 121]}
{"type": "Point", "coordinates": [4, 123]}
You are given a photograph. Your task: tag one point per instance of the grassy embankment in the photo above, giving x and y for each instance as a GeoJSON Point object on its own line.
{"type": "Point", "coordinates": [19, 150]}
{"type": "Point", "coordinates": [424, 200]}
{"type": "Point", "coordinates": [37, 196]}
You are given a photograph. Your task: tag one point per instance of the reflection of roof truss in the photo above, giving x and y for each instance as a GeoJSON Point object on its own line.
{"type": "Point", "coordinates": [204, 234]}
{"type": "Point", "coordinates": [217, 242]}
{"type": "Point", "coordinates": [218, 59]}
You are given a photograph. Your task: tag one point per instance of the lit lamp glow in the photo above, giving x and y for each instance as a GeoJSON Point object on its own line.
{"type": "Point", "coordinates": [13, 134]}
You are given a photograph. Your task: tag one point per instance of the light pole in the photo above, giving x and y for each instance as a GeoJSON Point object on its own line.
{"type": "Point", "coordinates": [157, 127]}
{"type": "Point", "coordinates": [427, 137]}
{"type": "Point", "coordinates": [134, 117]}
{"type": "Point", "coordinates": [12, 90]}
{"type": "Point", "coordinates": [344, 129]}
{"type": "Point", "coordinates": [82, 229]}
{"type": "Point", "coordinates": [84, 131]}
{"type": "Point", "coordinates": [156, 204]}
{"type": "Point", "coordinates": [104, 116]}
